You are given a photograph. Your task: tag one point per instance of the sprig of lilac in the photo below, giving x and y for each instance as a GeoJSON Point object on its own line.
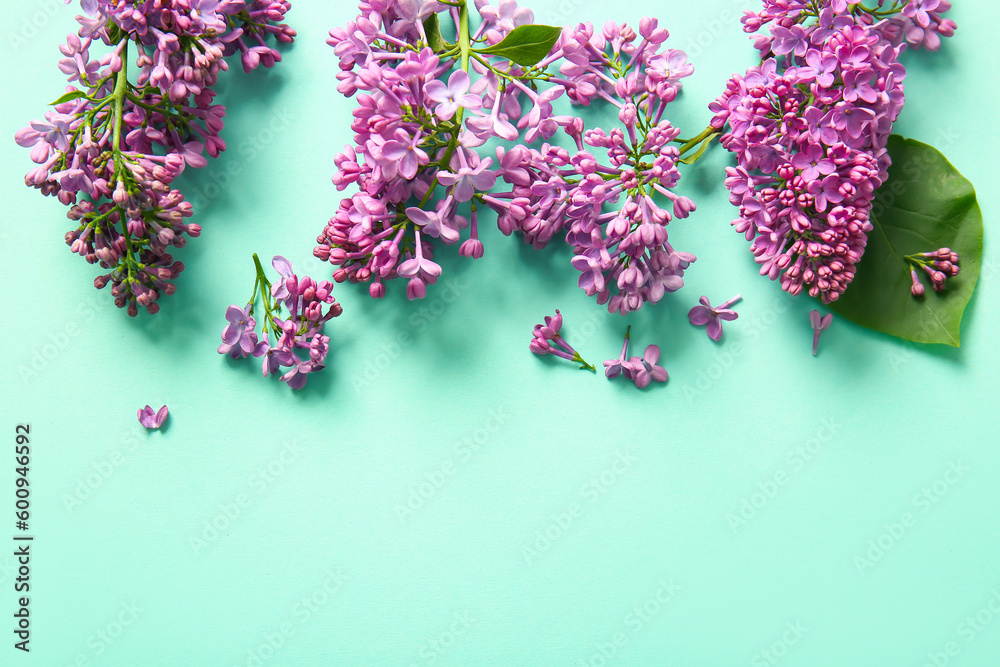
{"type": "Point", "coordinates": [293, 342]}
{"type": "Point", "coordinates": [610, 210]}
{"type": "Point", "coordinates": [917, 22]}
{"type": "Point", "coordinates": [640, 370]}
{"type": "Point", "coordinates": [420, 118]}
{"type": "Point", "coordinates": [939, 265]}
{"type": "Point", "coordinates": [425, 105]}
{"type": "Point", "coordinates": [809, 129]}
{"type": "Point", "coordinates": [110, 148]}
{"type": "Point", "coordinates": [546, 339]}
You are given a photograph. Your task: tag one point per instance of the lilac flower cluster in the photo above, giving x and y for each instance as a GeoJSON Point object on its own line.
{"type": "Point", "coordinates": [110, 149]}
{"type": "Point", "coordinates": [916, 22]}
{"type": "Point", "coordinates": [425, 105]}
{"type": "Point", "coordinates": [417, 126]}
{"type": "Point", "coordinates": [939, 266]}
{"type": "Point", "coordinates": [301, 329]}
{"type": "Point", "coordinates": [623, 254]}
{"type": "Point", "coordinates": [809, 128]}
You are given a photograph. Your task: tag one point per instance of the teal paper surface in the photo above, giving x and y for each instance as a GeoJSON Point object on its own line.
{"type": "Point", "coordinates": [441, 496]}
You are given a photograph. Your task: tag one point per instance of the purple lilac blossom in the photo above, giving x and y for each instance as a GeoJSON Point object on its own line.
{"type": "Point", "coordinates": [939, 265]}
{"type": "Point", "coordinates": [620, 366]}
{"type": "Point", "coordinates": [819, 324]}
{"type": "Point", "coordinates": [111, 149]}
{"type": "Point", "coordinates": [546, 339]}
{"type": "Point", "coordinates": [809, 128]}
{"type": "Point", "coordinates": [416, 134]}
{"type": "Point", "coordinates": [421, 116]}
{"type": "Point", "coordinates": [294, 344]}
{"type": "Point", "coordinates": [608, 213]}
{"type": "Point", "coordinates": [645, 369]}
{"type": "Point", "coordinates": [152, 419]}
{"type": "Point", "coordinates": [640, 370]}
{"type": "Point", "coordinates": [711, 318]}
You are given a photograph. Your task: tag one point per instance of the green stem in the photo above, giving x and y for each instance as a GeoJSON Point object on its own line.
{"type": "Point", "coordinates": [464, 36]}
{"type": "Point", "coordinates": [118, 114]}
{"type": "Point", "coordinates": [261, 276]}
{"type": "Point", "coordinates": [691, 143]}
{"type": "Point", "coordinates": [584, 365]}
{"type": "Point", "coordinates": [264, 285]}
{"type": "Point", "coordinates": [465, 46]}
{"type": "Point", "coordinates": [121, 89]}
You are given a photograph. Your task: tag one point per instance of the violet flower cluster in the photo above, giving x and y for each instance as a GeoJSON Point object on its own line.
{"type": "Point", "coordinates": [608, 210]}
{"type": "Point", "coordinates": [809, 128]}
{"type": "Point", "coordinates": [425, 105]}
{"type": "Point", "coordinates": [293, 343]}
{"type": "Point", "coordinates": [417, 125]}
{"type": "Point", "coordinates": [110, 149]}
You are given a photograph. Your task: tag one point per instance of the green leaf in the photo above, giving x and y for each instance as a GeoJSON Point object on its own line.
{"type": "Point", "coordinates": [72, 95]}
{"type": "Point", "coordinates": [924, 205]}
{"type": "Point", "coordinates": [432, 28]}
{"type": "Point", "coordinates": [525, 44]}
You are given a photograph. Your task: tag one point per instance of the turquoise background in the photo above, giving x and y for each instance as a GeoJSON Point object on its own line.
{"type": "Point", "coordinates": [764, 507]}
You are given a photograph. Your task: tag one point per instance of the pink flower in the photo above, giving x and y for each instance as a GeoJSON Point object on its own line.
{"type": "Point", "coordinates": [645, 370]}
{"type": "Point", "coordinates": [151, 419]}
{"type": "Point", "coordinates": [705, 314]}
{"type": "Point", "coordinates": [419, 270]}
{"type": "Point", "coordinates": [456, 94]}
{"type": "Point", "coordinates": [403, 149]}
{"type": "Point", "coordinates": [614, 367]}
{"type": "Point", "coordinates": [441, 223]}
{"type": "Point", "coordinates": [547, 340]}
{"type": "Point", "coordinates": [468, 180]}
{"type": "Point", "coordinates": [819, 324]}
